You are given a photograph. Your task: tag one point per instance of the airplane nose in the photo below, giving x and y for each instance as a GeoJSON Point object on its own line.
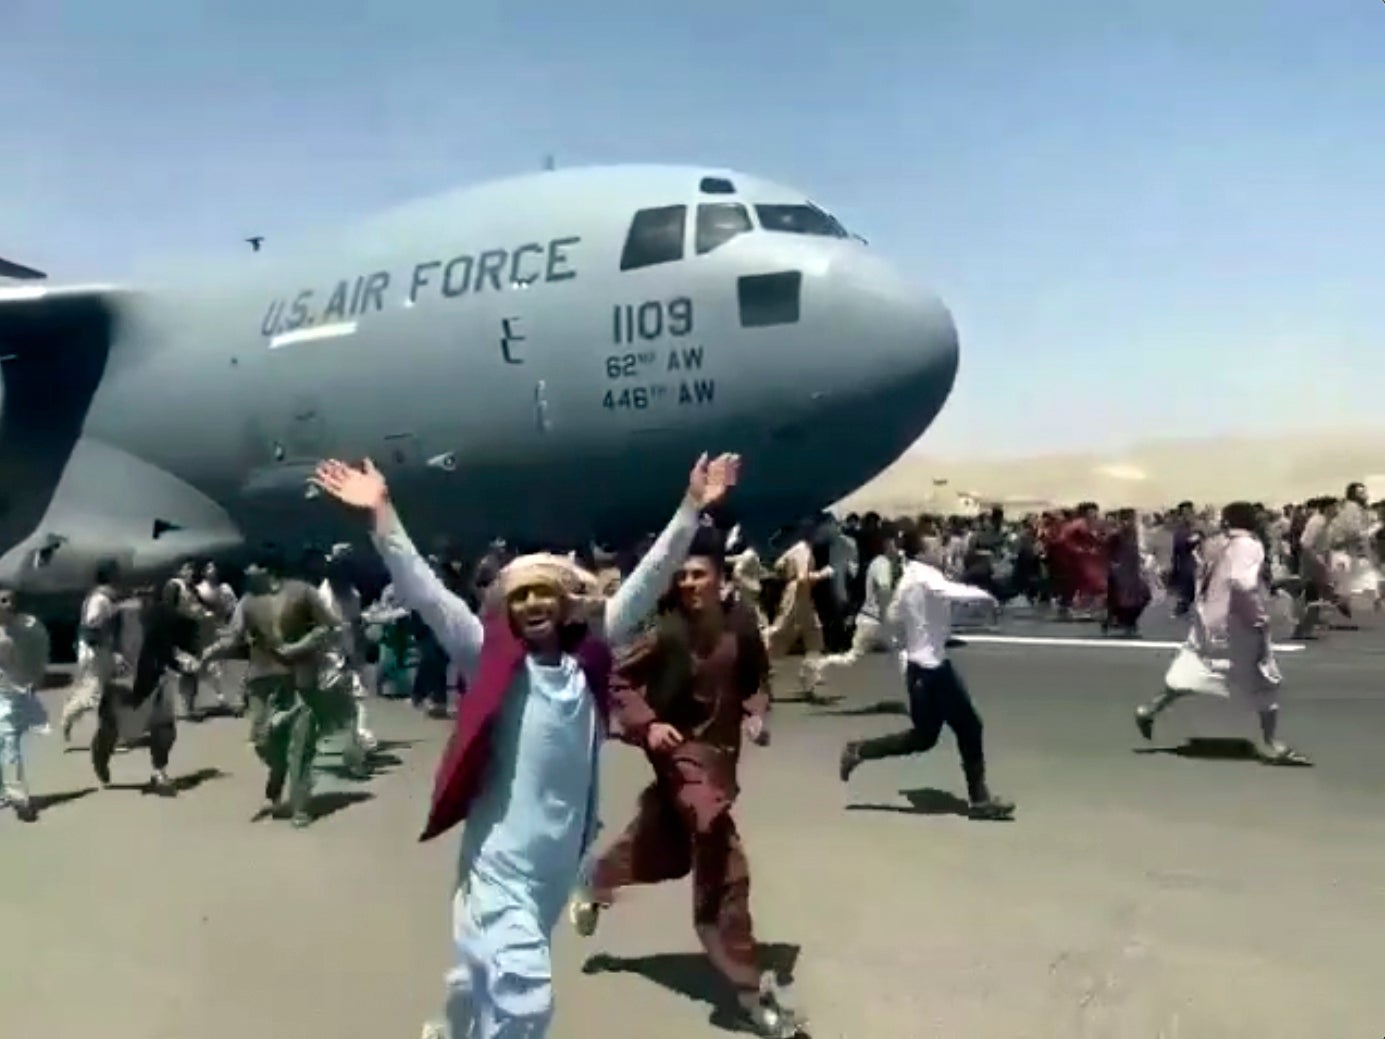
{"type": "Point", "coordinates": [903, 338]}
{"type": "Point", "coordinates": [929, 341]}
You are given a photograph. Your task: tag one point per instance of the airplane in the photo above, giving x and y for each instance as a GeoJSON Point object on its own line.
{"type": "Point", "coordinates": [540, 357]}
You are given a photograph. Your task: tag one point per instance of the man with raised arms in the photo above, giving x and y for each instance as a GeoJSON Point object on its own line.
{"type": "Point", "coordinates": [521, 767]}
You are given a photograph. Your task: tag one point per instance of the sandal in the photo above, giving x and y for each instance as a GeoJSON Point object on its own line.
{"type": "Point", "coordinates": [1288, 756]}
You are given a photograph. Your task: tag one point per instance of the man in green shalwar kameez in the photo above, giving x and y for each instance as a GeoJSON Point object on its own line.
{"type": "Point", "coordinates": [286, 627]}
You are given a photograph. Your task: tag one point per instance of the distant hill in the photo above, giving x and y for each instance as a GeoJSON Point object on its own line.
{"type": "Point", "coordinates": [1152, 474]}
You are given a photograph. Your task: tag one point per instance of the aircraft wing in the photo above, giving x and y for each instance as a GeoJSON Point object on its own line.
{"type": "Point", "coordinates": [67, 501]}
{"type": "Point", "coordinates": [16, 295]}
{"type": "Point", "coordinates": [54, 344]}
{"type": "Point", "coordinates": [10, 269]}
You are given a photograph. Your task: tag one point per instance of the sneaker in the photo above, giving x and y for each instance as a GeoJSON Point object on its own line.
{"type": "Point", "coordinates": [992, 809]}
{"type": "Point", "coordinates": [767, 1017]}
{"type": "Point", "coordinates": [25, 810]}
{"type": "Point", "coordinates": [585, 915]}
{"type": "Point", "coordinates": [1144, 721]}
{"type": "Point", "coordinates": [851, 757]}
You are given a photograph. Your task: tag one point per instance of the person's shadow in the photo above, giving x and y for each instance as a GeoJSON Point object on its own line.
{"type": "Point", "coordinates": [1208, 748]}
{"type": "Point", "coordinates": [691, 975]}
{"type": "Point", "coordinates": [379, 762]}
{"type": "Point", "coordinates": [868, 710]}
{"type": "Point", "coordinates": [41, 803]}
{"type": "Point", "coordinates": [923, 801]}
{"type": "Point", "coordinates": [177, 784]}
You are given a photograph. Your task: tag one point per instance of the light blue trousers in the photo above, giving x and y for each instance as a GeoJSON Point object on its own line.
{"type": "Point", "coordinates": [12, 782]}
{"type": "Point", "coordinates": [501, 982]}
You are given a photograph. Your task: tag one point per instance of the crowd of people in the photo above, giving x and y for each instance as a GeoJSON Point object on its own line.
{"type": "Point", "coordinates": [539, 657]}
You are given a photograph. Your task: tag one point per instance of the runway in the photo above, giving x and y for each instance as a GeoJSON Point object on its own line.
{"type": "Point", "coordinates": [1145, 890]}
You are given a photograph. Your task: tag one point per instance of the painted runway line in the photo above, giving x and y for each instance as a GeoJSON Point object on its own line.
{"type": "Point", "coordinates": [1040, 640]}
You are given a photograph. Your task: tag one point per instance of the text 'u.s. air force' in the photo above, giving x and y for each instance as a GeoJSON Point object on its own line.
{"type": "Point", "coordinates": [468, 273]}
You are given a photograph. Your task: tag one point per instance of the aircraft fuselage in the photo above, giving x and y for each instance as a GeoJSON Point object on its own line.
{"type": "Point", "coordinates": [505, 360]}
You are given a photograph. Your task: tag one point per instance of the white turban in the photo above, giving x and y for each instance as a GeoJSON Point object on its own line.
{"type": "Point", "coordinates": [580, 588]}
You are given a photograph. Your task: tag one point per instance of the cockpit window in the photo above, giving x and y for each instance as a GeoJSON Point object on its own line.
{"type": "Point", "coordinates": [656, 236]}
{"type": "Point", "coordinates": [718, 223]}
{"type": "Point", "coordinates": [800, 219]}
{"type": "Point", "coordinates": [717, 186]}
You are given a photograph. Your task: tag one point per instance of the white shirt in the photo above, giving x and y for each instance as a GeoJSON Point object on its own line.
{"type": "Point", "coordinates": [879, 578]}
{"type": "Point", "coordinates": [921, 611]}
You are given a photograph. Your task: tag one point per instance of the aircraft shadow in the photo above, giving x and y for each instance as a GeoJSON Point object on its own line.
{"type": "Point", "coordinates": [923, 801]}
{"type": "Point", "coordinates": [690, 975]}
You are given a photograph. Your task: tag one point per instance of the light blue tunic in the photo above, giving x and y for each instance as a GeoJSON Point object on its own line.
{"type": "Point", "coordinates": [536, 815]}
{"type": "Point", "coordinates": [24, 653]}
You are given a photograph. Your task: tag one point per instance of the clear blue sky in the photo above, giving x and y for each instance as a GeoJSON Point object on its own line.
{"type": "Point", "coordinates": [1146, 216]}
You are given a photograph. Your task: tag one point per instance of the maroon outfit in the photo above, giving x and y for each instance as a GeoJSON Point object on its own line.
{"type": "Point", "coordinates": [1083, 567]}
{"type": "Point", "coordinates": [683, 824]}
{"type": "Point", "coordinates": [464, 762]}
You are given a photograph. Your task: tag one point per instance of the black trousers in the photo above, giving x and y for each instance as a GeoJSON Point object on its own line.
{"type": "Point", "coordinates": [937, 697]}
{"type": "Point", "coordinates": [430, 678]}
{"type": "Point", "coordinates": [162, 734]}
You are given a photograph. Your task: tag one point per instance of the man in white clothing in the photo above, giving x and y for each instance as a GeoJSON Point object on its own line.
{"type": "Point", "coordinates": [343, 671]}
{"type": "Point", "coordinates": [218, 603]}
{"type": "Point", "coordinates": [24, 656]}
{"type": "Point", "coordinates": [1352, 557]}
{"type": "Point", "coordinates": [922, 613]}
{"type": "Point", "coordinates": [880, 579]}
{"type": "Point", "coordinates": [1228, 653]}
{"type": "Point", "coordinates": [797, 618]}
{"type": "Point", "coordinates": [96, 656]}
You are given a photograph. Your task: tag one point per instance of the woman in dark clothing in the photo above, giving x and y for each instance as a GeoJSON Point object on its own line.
{"type": "Point", "coordinates": [166, 640]}
{"type": "Point", "coordinates": [1027, 577]}
{"type": "Point", "coordinates": [1127, 592]}
{"type": "Point", "coordinates": [1183, 567]}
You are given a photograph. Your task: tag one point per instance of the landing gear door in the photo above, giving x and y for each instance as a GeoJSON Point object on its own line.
{"type": "Point", "coordinates": [288, 445]}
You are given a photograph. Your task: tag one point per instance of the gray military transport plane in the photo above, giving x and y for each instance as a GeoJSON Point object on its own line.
{"type": "Point", "coordinates": [540, 357]}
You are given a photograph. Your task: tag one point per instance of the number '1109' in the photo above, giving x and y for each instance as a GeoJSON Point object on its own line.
{"type": "Point", "coordinates": [631, 322]}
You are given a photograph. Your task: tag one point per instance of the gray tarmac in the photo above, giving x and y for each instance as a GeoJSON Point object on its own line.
{"type": "Point", "coordinates": [1174, 889]}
